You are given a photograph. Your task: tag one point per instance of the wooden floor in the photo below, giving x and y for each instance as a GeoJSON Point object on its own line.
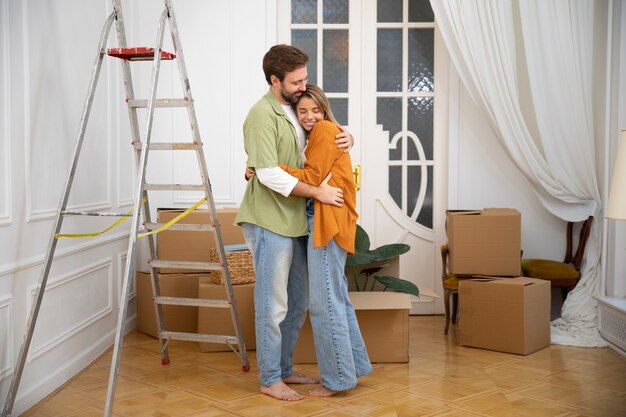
{"type": "Point", "coordinates": [441, 379]}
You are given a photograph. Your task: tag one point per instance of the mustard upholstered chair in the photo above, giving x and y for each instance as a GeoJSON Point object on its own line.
{"type": "Point", "coordinates": [563, 275]}
{"type": "Point", "coordinates": [450, 284]}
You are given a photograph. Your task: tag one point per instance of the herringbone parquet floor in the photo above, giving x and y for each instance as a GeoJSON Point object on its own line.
{"type": "Point", "coordinates": [441, 379]}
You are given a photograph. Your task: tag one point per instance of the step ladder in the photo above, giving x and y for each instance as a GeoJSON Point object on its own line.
{"type": "Point", "coordinates": [141, 203]}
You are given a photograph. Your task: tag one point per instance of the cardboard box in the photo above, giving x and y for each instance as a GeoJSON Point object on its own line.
{"type": "Point", "coordinates": [484, 242]}
{"type": "Point", "coordinates": [384, 322]}
{"type": "Point", "coordinates": [505, 314]}
{"type": "Point", "coordinates": [176, 318]}
{"type": "Point", "coordinates": [194, 246]}
{"type": "Point", "coordinates": [219, 321]}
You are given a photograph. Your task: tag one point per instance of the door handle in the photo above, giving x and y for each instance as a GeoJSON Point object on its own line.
{"type": "Point", "coordinates": [357, 177]}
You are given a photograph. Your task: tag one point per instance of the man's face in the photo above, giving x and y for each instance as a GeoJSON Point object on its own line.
{"type": "Point", "coordinates": [292, 86]}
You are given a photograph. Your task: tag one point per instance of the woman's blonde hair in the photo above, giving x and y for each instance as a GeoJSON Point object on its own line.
{"type": "Point", "coordinates": [317, 95]}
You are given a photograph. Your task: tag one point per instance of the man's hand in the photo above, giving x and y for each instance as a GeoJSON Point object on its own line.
{"type": "Point", "coordinates": [344, 139]}
{"type": "Point", "coordinates": [329, 194]}
{"type": "Point", "coordinates": [249, 173]}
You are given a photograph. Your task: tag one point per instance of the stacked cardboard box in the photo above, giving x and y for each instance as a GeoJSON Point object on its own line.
{"type": "Point", "coordinates": [505, 314]}
{"type": "Point", "coordinates": [484, 242]}
{"type": "Point", "coordinates": [499, 310]}
{"type": "Point", "coordinates": [384, 322]}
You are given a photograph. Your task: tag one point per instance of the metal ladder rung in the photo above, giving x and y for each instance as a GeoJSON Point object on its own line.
{"type": "Point", "coordinates": [161, 102]}
{"type": "Point", "coordinates": [192, 302]}
{"type": "Point", "coordinates": [93, 213]}
{"type": "Point", "coordinates": [182, 227]}
{"type": "Point", "coordinates": [174, 187]}
{"type": "Point", "coordinates": [167, 146]}
{"type": "Point", "coordinates": [207, 266]}
{"type": "Point", "coordinates": [195, 337]}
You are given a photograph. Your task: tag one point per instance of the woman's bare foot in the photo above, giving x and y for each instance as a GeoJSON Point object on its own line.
{"type": "Point", "coordinates": [281, 391]}
{"type": "Point", "coordinates": [298, 378]}
{"type": "Point", "coordinates": [322, 391]}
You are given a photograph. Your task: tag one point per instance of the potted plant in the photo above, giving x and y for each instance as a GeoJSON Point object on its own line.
{"type": "Point", "coordinates": [365, 263]}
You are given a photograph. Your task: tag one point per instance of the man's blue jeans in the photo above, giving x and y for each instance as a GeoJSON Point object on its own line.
{"type": "Point", "coordinates": [339, 346]}
{"type": "Point", "coordinates": [281, 299]}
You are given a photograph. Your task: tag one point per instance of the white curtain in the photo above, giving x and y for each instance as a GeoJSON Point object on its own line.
{"type": "Point", "coordinates": [556, 50]}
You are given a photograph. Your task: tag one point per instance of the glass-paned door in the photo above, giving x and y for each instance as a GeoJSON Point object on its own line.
{"type": "Point", "coordinates": [380, 60]}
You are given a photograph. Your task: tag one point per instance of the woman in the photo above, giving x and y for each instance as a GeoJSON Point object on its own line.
{"type": "Point", "coordinates": [339, 346]}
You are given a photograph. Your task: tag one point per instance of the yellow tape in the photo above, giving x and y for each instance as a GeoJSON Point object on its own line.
{"type": "Point", "coordinates": [174, 220]}
{"type": "Point", "coordinates": [117, 223]}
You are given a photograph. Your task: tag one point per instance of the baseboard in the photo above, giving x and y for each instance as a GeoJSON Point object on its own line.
{"type": "Point", "coordinates": [30, 396]}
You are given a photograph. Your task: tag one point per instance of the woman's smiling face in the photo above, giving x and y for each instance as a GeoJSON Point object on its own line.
{"type": "Point", "coordinates": [309, 113]}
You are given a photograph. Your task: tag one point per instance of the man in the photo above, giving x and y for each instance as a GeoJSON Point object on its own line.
{"type": "Point", "coordinates": [273, 218]}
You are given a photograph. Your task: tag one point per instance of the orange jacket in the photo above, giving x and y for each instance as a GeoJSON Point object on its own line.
{"type": "Point", "coordinates": [322, 157]}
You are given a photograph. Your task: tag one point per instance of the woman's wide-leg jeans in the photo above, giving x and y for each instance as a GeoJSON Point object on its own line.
{"type": "Point", "coordinates": [341, 353]}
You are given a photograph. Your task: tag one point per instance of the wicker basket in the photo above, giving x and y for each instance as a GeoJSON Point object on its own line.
{"type": "Point", "coordinates": [239, 264]}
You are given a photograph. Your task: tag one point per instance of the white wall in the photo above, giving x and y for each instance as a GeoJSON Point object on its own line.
{"type": "Point", "coordinates": [616, 250]}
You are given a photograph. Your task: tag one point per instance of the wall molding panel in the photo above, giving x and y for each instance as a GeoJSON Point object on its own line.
{"type": "Point", "coordinates": [61, 297]}
{"type": "Point", "coordinates": [44, 85]}
{"type": "Point", "coordinates": [6, 342]}
{"type": "Point", "coordinates": [37, 261]}
{"type": "Point", "coordinates": [50, 213]}
{"type": "Point", "coordinates": [5, 114]}
{"type": "Point", "coordinates": [121, 265]}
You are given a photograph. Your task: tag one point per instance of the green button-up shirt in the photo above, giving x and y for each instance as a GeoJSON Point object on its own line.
{"type": "Point", "coordinates": [270, 139]}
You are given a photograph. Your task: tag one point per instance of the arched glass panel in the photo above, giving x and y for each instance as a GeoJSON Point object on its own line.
{"type": "Point", "coordinates": [405, 103]}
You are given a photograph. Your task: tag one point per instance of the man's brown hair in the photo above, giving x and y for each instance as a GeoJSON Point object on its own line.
{"type": "Point", "coordinates": [281, 59]}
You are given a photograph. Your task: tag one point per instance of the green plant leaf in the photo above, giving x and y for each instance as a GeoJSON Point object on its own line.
{"type": "Point", "coordinates": [390, 251]}
{"type": "Point", "coordinates": [362, 240]}
{"type": "Point", "coordinates": [359, 258]}
{"type": "Point", "coordinates": [373, 270]}
{"type": "Point", "coordinates": [398, 285]}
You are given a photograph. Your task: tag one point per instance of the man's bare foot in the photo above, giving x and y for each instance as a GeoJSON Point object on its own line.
{"type": "Point", "coordinates": [298, 378]}
{"type": "Point", "coordinates": [281, 391]}
{"type": "Point", "coordinates": [322, 391]}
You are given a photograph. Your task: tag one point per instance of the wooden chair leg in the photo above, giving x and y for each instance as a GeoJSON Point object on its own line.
{"type": "Point", "coordinates": [446, 302]}
{"type": "Point", "coordinates": [455, 304]}
{"type": "Point", "coordinates": [565, 291]}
